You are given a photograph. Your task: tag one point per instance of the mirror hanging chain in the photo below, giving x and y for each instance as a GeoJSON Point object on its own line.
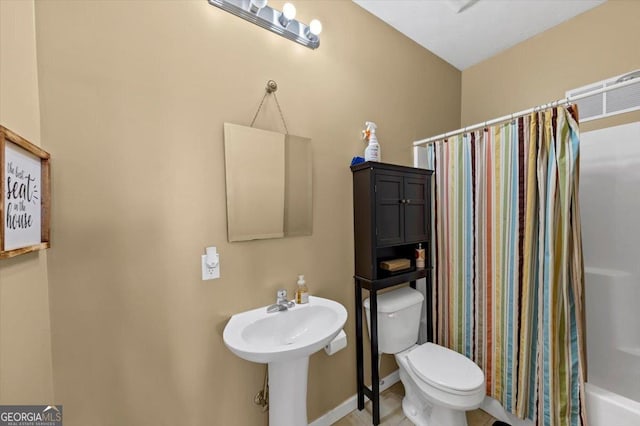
{"type": "Point", "coordinates": [271, 88]}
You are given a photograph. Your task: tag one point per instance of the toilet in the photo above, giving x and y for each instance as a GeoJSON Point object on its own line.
{"type": "Point", "coordinates": [440, 384]}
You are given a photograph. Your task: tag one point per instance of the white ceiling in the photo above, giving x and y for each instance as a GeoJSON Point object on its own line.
{"type": "Point", "coordinates": [465, 32]}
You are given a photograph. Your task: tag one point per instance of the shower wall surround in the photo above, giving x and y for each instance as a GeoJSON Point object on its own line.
{"type": "Point", "coordinates": [610, 168]}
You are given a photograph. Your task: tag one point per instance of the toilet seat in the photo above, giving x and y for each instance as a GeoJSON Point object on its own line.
{"type": "Point", "coordinates": [445, 369]}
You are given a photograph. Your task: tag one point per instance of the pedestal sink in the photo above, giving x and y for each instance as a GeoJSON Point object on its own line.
{"type": "Point", "coordinates": [284, 340]}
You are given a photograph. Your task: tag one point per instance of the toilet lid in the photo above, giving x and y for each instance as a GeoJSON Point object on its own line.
{"type": "Point", "coordinates": [444, 368]}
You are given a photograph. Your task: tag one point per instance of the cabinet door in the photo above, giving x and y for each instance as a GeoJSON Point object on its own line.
{"type": "Point", "coordinates": [389, 209]}
{"type": "Point", "coordinates": [416, 216]}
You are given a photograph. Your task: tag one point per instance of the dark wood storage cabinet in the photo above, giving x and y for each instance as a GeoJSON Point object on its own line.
{"type": "Point", "coordinates": [392, 215]}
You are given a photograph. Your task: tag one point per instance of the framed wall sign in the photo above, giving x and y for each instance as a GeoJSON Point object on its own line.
{"type": "Point", "coordinates": [25, 195]}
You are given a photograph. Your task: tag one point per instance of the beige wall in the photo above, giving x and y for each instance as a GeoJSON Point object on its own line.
{"type": "Point", "coordinates": [25, 331]}
{"type": "Point", "coordinates": [601, 43]}
{"type": "Point", "coordinates": [134, 96]}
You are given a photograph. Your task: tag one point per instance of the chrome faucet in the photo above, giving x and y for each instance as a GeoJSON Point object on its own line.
{"type": "Point", "coordinates": [282, 304]}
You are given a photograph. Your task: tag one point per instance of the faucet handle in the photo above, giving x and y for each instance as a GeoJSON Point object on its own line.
{"type": "Point", "coordinates": [281, 295]}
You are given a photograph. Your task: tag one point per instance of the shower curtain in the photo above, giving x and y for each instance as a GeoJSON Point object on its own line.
{"type": "Point", "coordinates": [509, 281]}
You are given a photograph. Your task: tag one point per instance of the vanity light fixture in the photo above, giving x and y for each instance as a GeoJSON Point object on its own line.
{"type": "Point", "coordinates": [282, 23]}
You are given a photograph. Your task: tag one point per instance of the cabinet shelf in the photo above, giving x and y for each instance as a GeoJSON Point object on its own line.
{"type": "Point", "coordinates": [394, 279]}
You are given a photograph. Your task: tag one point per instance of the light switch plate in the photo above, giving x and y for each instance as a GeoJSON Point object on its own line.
{"type": "Point", "coordinates": [207, 272]}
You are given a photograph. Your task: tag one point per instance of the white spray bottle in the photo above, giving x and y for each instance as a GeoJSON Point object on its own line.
{"type": "Point", "coordinates": [372, 152]}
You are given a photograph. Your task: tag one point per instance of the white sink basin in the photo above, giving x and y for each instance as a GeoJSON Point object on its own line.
{"type": "Point", "coordinates": [285, 340]}
{"type": "Point", "coordinates": [300, 331]}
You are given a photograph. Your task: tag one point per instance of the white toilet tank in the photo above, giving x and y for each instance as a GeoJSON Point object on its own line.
{"type": "Point", "coordinates": [398, 319]}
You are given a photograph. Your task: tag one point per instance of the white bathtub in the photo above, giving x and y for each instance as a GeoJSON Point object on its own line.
{"type": "Point", "coordinates": [613, 347]}
{"type": "Point", "coordinates": [606, 408]}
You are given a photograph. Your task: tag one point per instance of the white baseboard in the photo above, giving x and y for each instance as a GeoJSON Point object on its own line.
{"type": "Point", "coordinates": [351, 404]}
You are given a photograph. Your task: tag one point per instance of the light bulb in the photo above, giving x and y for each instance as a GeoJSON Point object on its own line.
{"type": "Point", "coordinates": [256, 5]}
{"type": "Point", "coordinates": [315, 27]}
{"type": "Point", "coordinates": [289, 11]}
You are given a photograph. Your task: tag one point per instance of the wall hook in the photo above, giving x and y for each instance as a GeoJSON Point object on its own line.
{"type": "Point", "coordinates": [272, 86]}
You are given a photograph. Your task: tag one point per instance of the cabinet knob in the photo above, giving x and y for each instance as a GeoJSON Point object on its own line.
{"type": "Point", "coordinates": [403, 201]}
{"type": "Point", "coordinates": [407, 201]}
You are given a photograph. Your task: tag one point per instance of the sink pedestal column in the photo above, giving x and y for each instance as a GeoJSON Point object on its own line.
{"type": "Point", "coordinates": [288, 392]}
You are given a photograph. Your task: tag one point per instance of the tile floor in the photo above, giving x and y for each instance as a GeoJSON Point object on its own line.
{"type": "Point", "coordinates": [391, 412]}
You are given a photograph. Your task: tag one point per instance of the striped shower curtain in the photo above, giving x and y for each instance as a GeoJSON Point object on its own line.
{"type": "Point", "coordinates": [509, 282]}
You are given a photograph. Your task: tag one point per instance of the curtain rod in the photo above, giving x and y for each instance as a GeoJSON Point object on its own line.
{"type": "Point", "coordinates": [526, 112]}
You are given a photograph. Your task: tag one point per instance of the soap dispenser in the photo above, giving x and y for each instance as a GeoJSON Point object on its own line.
{"type": "Point", "coordinates": [302, 292]}
{"type": "Point", "coordinates": [420, 257]}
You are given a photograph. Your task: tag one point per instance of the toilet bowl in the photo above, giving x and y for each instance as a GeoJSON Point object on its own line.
{"type": "Point", "coordinates": [440, 384]}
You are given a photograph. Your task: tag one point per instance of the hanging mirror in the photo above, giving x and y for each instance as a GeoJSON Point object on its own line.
{"type": "Point", "coordinates": [269, 184]}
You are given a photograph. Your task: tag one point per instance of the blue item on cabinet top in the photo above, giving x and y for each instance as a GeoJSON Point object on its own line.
{"type": "Point", "coordinates": [357, 160]}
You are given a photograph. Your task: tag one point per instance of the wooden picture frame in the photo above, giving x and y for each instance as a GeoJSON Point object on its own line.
{"type": "Point", "coordinates": [25, 195]}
